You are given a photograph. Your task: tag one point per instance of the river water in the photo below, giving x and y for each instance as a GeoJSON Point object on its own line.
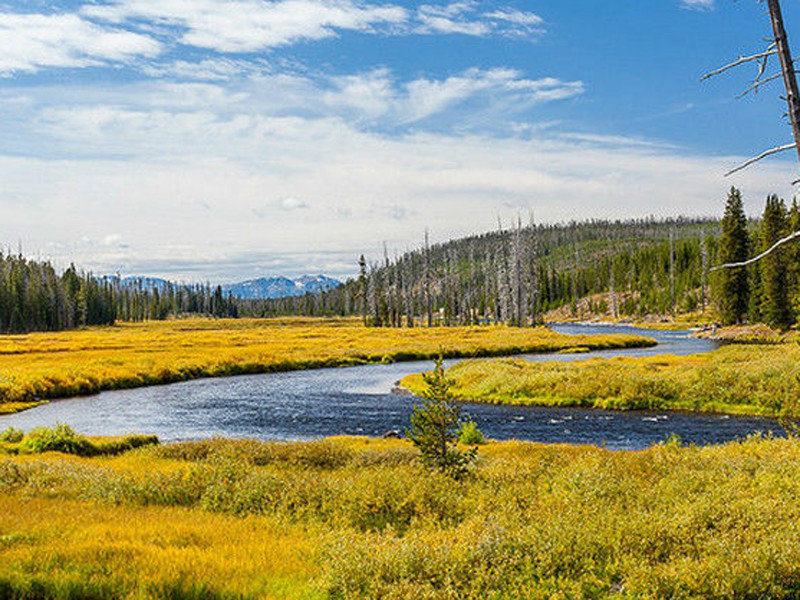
{"type": "Point", "coordinates": [358, 401]}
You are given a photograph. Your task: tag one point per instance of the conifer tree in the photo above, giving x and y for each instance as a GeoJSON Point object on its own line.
{"type": "Point", "coordinates": [775, 290]}
{"type": "Point", "coordinates": [793, 260]}
{"type": "Point", "coordinates": [435, 425]}
{"type": "Point", "coordinates": [733, 290]}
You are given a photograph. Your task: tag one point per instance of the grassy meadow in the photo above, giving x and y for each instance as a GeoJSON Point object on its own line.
{"type": "Point", "coordinates": [744, 378]}
{"type": "Point", "coordinates": [39, 366]}
{"type": "Point", "coordinates": [351, 518]}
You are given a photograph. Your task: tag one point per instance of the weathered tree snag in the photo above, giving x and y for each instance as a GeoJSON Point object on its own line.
{"type": "Point", "coordinates": [780, 45]}
{"type": "Point", "coordinates": [787, 68]}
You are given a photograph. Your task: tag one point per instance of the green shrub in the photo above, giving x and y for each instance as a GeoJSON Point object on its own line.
{"type": "Point", "coordinates": [129, 442]}
{"type": "Point", "coordinates": [61, 438]}
{"type": "Point", "coordinates": [12, 435]}
{"type": "Point", "coordinates": [470, 435]}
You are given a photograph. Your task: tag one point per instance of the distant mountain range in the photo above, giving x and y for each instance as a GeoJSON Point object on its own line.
{"type": "Point", "coordinates": [252, 289]}
{"type": "Point", "coordinates": [281, 287]}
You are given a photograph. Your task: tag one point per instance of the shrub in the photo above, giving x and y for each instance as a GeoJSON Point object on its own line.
{"type": "Point", "coordinates": [11, 435]}
{"type": "Point", "coordinates": [61, 438]}
{"type": "Point", "coordinates": [470, 435]}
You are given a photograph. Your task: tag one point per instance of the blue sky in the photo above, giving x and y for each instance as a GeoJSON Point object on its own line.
{"type": "Point", "coordinates": [225, 139]}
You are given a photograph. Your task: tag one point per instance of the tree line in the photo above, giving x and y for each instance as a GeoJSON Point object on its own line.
{"type": "Point", "coordinates": [768, 290]}
{"type": "Point", "coordinates": [35, 297]}
{"type": "Point", "coordinates": [513, 275]}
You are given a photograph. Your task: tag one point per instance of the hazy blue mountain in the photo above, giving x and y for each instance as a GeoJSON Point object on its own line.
{"type": "Point", "coordinates": [280, 287]}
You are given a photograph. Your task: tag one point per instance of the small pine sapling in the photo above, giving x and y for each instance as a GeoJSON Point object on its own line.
{"type": "Point", "coordinates": [435, 425]}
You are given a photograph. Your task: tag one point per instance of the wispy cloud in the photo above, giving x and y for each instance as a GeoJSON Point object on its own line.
{"type": "Point", "coordinates": [239, 26]}
{"type": "Point", "coordinates": [250, 25]}
{"type": "Point", "coordinates": [159, 118]}
{"type": "Point", "coordinates": [701, 5]}
{"type": "Point", "coordinates": [376, 94]}
{"type": "Point", "coordinates": [467, 18]}
{"type": "Point", "coordinates": [30, 42]}
{"type": "Point", "coordinates": [120, 31]}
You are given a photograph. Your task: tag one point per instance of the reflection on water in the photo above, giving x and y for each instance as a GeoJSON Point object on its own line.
{"type": "Point", "coordinates": [358, 401]}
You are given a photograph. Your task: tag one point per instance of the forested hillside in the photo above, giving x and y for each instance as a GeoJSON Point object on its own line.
{"type": "Point", "coordinates": [515, 275]}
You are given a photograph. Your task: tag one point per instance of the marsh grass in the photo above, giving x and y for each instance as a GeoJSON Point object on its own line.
{"type": "Point", "coordinates": [39, 366]}
{"type": "Point", "coordinates": [742, 379]}
{"type": "Point", "coordinates": [358, 518]}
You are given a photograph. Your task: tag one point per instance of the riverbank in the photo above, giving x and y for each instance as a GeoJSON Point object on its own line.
{"type": "Point", "coordinates": [754, 379]}
{"type": "Point", "coordinates": [359, 518]}
{"type": "Point", "coordinates": [41, 366]}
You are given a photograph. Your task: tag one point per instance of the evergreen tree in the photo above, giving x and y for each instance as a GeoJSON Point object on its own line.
{"type": "Point", "coordinates": [435, 426]}
{"type": "Point", "coordinates": [775, 309]}
{"type": "Point", "coordinates": [733, 289]}
{"type": "Point", "coordinates": [792, 253]}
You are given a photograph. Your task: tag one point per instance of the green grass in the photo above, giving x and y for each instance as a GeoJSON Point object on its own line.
{"type": "Point", "coordinates": [360, 518]}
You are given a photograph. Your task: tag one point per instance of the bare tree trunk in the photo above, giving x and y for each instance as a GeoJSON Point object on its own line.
{"type": "Point", "coordinates": [519, 300]}
{"type": "Point", "coordinates": [428, 304]}
{"type": "Point", "coordinates": [704, 269]}
{"type": "Point", "coordinates": [787, 69]}
{"type": "Point", "coordinates": [672, 301]}
{"type": "Point", "coordinates": [612, 291]}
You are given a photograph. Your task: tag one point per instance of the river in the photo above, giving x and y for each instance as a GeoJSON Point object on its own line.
{"type": "Point", "coordinates": [310, 404]}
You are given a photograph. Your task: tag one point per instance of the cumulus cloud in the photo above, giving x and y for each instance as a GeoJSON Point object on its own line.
{"type": "Point", "coordinates": [29, 42]}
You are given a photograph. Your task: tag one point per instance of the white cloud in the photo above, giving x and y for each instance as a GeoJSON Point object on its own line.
{"type": "Point", "coordinates": [292, 203]}
{"type": "Point", "coordinates": [451, 18]}
{"type": "Point", "coordinates": [29, 42]}
{"type": "Point", "coordinates": [466, 18]}
{"type": "Point", "coordinates": [251, 25]}
{"type": "Point", "coordinates": [127, 30]}
{"type": "Point", "coordinates": [356, 188]}
{"type": "Point", "coordinates": [376, 94]}
{"type": "Point", "coordinates": [126, 119]}
{"type": "Point", "coordinates": [697, 4]}
{"type": "Point", "coordinates": [210, 69]}
{"type": "Point", "coordinates": [240, 26]}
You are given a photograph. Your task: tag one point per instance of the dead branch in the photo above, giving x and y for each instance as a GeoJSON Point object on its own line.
{"type": "Point", "coordinates": [740, 61]}
{"type": "Point", "coordinates": [763, 155]}
{"type": "Point", "coordinates": [758, 83]}
{"type": "Point", "coordinates": [766, 252]}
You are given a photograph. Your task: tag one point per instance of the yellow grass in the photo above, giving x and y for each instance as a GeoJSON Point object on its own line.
{"type": "Point", "coordinates": [353, 518]}
{"type": "Point", "coordinates": [50, 365]}
{"type": "Point", "coordinates": [745, 379]}
{"type": "Point", "coordinates": [148, 552]}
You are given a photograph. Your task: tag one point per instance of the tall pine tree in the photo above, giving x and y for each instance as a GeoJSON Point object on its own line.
{"type": "Point", "coordinates": [775, 308]}
{"type": "Point", "coordinates": [733, 289]}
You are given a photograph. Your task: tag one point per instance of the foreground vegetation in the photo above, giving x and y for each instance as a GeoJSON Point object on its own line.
{"type": "Point", "coordinates": [761, 378]}
{"type": "Point", "coordinates": [361, 518]}
{"type": "Point", "coordinates": [39, 366]}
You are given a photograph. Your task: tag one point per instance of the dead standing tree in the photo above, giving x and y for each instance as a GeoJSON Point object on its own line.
{"type": "Point", "coordinates": [778, 46]}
